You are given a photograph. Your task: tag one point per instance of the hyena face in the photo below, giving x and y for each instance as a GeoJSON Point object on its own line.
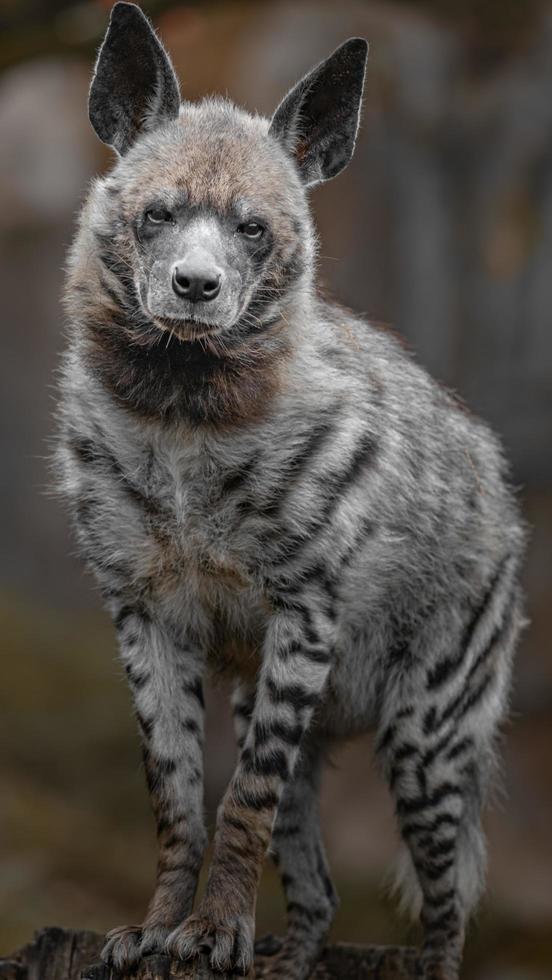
{"type": "Point", "coordinates": [216, 218]}
{"type": "Point", "coordinates": [207, 204]}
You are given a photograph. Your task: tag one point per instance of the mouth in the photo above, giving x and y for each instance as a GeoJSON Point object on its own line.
{"type": "Point", "coordinates": [188, 329]}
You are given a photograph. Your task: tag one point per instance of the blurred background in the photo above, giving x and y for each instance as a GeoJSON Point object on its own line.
{"type": "Point", "coordinates": [442, 228]}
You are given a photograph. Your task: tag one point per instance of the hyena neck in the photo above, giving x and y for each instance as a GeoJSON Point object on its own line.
{"type": "Point", "coordinates": [201, 383]}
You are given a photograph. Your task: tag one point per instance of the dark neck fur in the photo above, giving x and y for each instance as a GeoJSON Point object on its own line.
{"type": "Point", "coordinates": [186, 381]}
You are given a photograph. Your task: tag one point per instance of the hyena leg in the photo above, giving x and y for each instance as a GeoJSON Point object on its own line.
{"type": "Point", "coordinates": [437, 744]}
{"type": "Point", "coordinates": [165, 679]}
{"type": "Point", "coordinates": [243, 702]}
{"type": "Point", "coordinates": [296, 663]}
{"type": "Point", "coordinates": [298, 851]}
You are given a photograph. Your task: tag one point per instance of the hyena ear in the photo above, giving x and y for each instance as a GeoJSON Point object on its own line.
{"type": "Point", "coordinates": [134, 87]}
{"type": "Point", "coordinates": [318, 119]}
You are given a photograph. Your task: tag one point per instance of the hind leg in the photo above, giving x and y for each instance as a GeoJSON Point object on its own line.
{"type": "Point", "coordinates": [437, 746]}
{"type": "Point", "coordinates": [443, 863]}
{"type": "Point", "coordinates": [445, 855]}
{"type": "Point", "coordinates": [298, 852]}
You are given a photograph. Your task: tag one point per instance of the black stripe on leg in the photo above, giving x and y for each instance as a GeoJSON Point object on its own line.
{"type": "Point", "coordinates": [389, 732]}
{"type": "Point", "coordinates": [386, 738]}
{"type": "Point", "coordinates": [463, 702]}
{"type": "Point", "coordinates": [191, 727]}
{"type": "Point", "coordinates": [275, 763]}
{"type": "Point", "coordinates": [255, 800]}
{"type": "Point", "coordinates": [174, 841]}
{"type": "Point", "coordinates": [441, 849]}
{"type": "Point", "coordinates": [402, 754]}
{"type": "Point", "coordinates": [124, 614]}
{"type": "Point", "coordinates": [440, 899]}
{"type": "Point", "coordinates": [406, 807]}
{"type": "Point", "coordinates": [137, 678]}
{"type": "Point", "coordinates": [443, 920]}
{"type": "Point", "coordinates": [145, 724]}
{"type": "Point", "coordinates": [475, 697]}
{"type": "Point", "coordinates": [434, 871]}
{"type": "Point", "coordinates": [243, 710]}
{"type": "Point", "coordinates": [292, 694]}
{"type": "Point", "coordinates": [289, 734]}
{"type": "Point", "coordinates": [411, 828]}
{"type": "Point", "coordinates": [404, 751]}
{"type": "Point", "coordinates": [166, 823]}
{"type": "Point", "coordinates": [194, 689]}
{"type": "Point", "coordinates": [459, 747]}
{"type": "Point", "coordinates": [157, 770]}
{"type": "Point", "coordinates": [238, 824]}
{"type": "Point", "coordinates": [320, 655]}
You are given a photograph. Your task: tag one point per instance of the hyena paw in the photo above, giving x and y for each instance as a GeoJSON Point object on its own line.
{"type": "Point", "coordinates": [122, 947]}
{"type": "Point", "coordinates": [228, 941]}
{"type": "Point", "coordinates": [153, 940]}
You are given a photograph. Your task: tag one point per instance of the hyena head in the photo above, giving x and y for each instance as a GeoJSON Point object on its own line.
{"type": "Point", "coordinates": [213, 200]}
{"type": "Point", "coordinates": [203, 225]}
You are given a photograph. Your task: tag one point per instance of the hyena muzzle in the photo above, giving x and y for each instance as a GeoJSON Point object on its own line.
{"type": "Point", "coordinates": [267, 486]}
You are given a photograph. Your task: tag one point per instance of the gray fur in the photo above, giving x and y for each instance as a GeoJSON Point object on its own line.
{"type": "Point", "coordinates": [289, 498]}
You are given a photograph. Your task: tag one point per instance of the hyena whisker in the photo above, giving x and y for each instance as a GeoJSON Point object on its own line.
{"type": "Point", "coordinates": [170, 337]}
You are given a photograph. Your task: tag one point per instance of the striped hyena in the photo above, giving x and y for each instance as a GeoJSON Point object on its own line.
{"type": "Point", "coordinates": [266, 485]}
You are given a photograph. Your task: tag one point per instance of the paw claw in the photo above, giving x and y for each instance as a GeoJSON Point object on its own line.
{"type": "Point", "coordinates": [122, 947]}
{"type": "Point", "coordinates": [228, 944]}
{"type": "Point", "coordinates": [153, 940]}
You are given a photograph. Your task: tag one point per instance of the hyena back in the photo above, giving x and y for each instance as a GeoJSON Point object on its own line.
{"type": "Point", "coordinates": [266, 485]}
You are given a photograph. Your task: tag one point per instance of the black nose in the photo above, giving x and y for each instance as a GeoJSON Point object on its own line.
{"type": "Point", "coordinates": [195, 285]}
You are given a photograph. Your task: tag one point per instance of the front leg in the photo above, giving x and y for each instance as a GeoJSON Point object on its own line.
{"type": "Point", "coordinates": [165, 676]}
{"type": "Point", "coordinates": [296, 663]}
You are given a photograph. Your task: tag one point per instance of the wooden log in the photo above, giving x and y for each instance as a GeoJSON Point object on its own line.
{"type": "Point", "coordinates": [64, 954]}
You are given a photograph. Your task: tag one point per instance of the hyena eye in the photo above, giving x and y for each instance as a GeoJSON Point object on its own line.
{"type": "Point", "coordinates": [158, 215]}
{"type": "Point", "coordinates": [251, 229]}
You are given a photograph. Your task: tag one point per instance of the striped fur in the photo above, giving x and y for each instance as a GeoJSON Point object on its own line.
{"type": "Point", "coordinates": [292, 500]}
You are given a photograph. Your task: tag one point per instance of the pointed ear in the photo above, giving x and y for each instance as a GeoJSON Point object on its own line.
{"type": "Point", "coordinates": [318, 120]}
{"type": "Point", "coordinates": [134, 87]}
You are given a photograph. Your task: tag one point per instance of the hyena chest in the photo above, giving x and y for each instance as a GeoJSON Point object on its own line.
{"type": "Point", "coordinates": [195, 557]}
